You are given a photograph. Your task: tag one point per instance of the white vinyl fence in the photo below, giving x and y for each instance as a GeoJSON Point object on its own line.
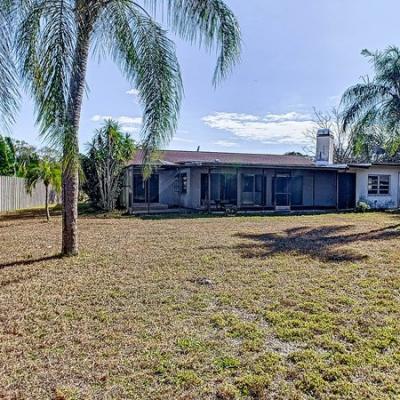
{"type": "Point", "coordinates": [13, 195]}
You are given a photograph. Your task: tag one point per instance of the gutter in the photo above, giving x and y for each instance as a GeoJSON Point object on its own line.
{"type": "Point", "coordinates": [267, 166]}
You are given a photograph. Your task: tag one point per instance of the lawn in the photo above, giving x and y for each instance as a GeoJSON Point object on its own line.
{"type": "Point", "coordinates": [295, 307]}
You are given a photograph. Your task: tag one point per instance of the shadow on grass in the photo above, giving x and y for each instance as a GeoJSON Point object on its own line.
{"type": "Point", "coordinates": [322, 243]}
{"type": "Point", "coordinates": [30, 214]}
{"type": "Point", "coordinates": [84, 209]}
{"type": "Point", "coordinates": [29, 261]}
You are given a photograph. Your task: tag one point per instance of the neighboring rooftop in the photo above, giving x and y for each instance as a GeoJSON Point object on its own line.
{"type": "Point", "coordinates": [179, 157]}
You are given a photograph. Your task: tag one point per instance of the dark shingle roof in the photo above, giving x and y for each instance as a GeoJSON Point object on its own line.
{"type": "Point", "coordinates": [178, 157]}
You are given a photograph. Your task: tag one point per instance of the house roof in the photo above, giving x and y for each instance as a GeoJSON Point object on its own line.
{"type": "Point", "coordinates": [375, 164]}
{"type": "Point", "coordinates": [179, 157]}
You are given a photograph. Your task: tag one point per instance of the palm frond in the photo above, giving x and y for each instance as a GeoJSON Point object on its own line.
{"type": "Point", "coordinates": [209, 23]}
{"type": "Point", "coordinates": [45, 44]}
{"type": "Point", "coordinates": [147, 57]}
{"type": "Point", "coordinates": [358, 99]}
{"type": "Point", "coordinates": [9, 94]}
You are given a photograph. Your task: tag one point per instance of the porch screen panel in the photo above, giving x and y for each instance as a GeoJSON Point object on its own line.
{"type": "Point", "coordinates": [223, 188]}
{"type": "Point", "coordinates": [297, 190]}
{"type": "Point", "coordinates": [139, 190]}
{"type": "Point", "coordinates": [215, 187]}
{"type": "Point", "coordinates": [204, 187]}
{"type": "Point", "coordinates": [325, 189]}
{"type": "Point", "coordinates": [229, 188]}
{"type": "Point", "coordinates": [247, 189]}
{"type": "Point", "coordinates": [258, 190]}
{"type": "Point", "coordinates": [153, 189]}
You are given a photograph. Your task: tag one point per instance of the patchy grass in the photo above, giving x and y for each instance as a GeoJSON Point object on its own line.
{"type": "Point", "coordinates": [205, 308]}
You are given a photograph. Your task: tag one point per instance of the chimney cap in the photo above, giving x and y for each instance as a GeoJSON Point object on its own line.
{"type": "Point", "coordinates": [324, 132]}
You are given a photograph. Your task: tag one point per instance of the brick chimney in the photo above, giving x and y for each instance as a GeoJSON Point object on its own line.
{"type": "Point", "coordinates": [325, 147]}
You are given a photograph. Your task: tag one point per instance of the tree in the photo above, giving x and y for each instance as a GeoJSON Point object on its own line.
{"type": "Point", "coordinates": [48, 172]}
{"type": "Point", "coordinates": [372, 107]}
{"type": "Point", "coordinates": [343, 144]}
{"type": "Point", "coordinates": [16, 156]}
{"type": "Point", "coordinates": [25, 156]}
{"type": "Point", "coordinates": [52, 41]}
{"type": "Point", "coordinates": [108, 154]}
{"type": "Point", "coordinates": [7, 157]}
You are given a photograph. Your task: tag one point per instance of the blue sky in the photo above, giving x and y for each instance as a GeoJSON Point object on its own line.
{"type": "Point", "coordinates": [297, 54]}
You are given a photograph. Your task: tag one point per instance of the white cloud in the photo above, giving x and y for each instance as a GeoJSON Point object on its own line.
{"type": "Point", "coordinates": [286, 128]}
{"type": "Point", "coordinates": [130, 129]}
{"type": "Point", "coordinates": [132, 92]}
{"type": "Point", "coordinates": [98, 118]}
{"type": "Point", "coordinates": [128, 124]}
{"type": "Point", "coordinates": [124, 120]}
{"type": "Point", "coordinates": [225, 143]}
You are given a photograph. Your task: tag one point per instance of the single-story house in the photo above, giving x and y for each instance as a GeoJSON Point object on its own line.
{"type": "Point", "coordinates": [201, 180]}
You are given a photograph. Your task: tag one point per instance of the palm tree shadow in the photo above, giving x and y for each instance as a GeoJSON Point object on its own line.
{"type": "Point", "coordinates": [323, 243]}
{"type": "Point", "coordinates": [29, 261]}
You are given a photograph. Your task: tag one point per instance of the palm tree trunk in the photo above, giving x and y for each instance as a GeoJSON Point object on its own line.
{"type": "Point", "coordinates": [70, 189]}
{"type": "Point", "coordinates": [47, 202]}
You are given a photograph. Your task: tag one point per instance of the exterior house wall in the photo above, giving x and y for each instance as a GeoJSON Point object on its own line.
{"type": "Point", "coordinates": [378, 201]}
{"type": "Point", "coordinates": [319, 186]}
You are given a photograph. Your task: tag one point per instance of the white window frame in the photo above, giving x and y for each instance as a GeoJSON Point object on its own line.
{"type": "Point", "coordinates": [379, 177]}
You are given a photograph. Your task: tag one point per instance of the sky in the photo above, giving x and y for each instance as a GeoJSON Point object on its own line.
{"type": "Point", "coordinates": [297, 54]}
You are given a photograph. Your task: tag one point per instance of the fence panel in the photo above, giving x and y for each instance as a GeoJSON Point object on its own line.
{"type": "Point", "coordinates": [13, 195]}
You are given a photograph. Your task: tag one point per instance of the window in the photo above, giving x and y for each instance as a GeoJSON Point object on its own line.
{"type": "Point", "coordinates": [181, 183]}
{"type": "Point", "coordinates": [378, 184]}
{"type": "Point", "coordinates": [184, 181]}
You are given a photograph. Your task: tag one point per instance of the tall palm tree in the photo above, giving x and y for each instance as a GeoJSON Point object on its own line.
{"type": "Point", "coordinates": [374, 104]}
{"type": "Point", "coordinates": [48, 172]}
{"type": "Point", "coordinates": [53, 40]}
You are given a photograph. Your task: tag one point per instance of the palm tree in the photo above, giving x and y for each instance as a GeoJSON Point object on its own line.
{"type": "Point", "coordinates": [48, 172]}
{"type": "Point", "coordinates": [373, 106]}
{"type": "Point", "coordinates": [108, 153]}
{"type": "Point", "coordinates": [52, 42]}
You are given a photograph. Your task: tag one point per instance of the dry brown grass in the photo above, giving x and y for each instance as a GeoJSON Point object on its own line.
{"type": "Point", "coordinates": [205, 308]}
